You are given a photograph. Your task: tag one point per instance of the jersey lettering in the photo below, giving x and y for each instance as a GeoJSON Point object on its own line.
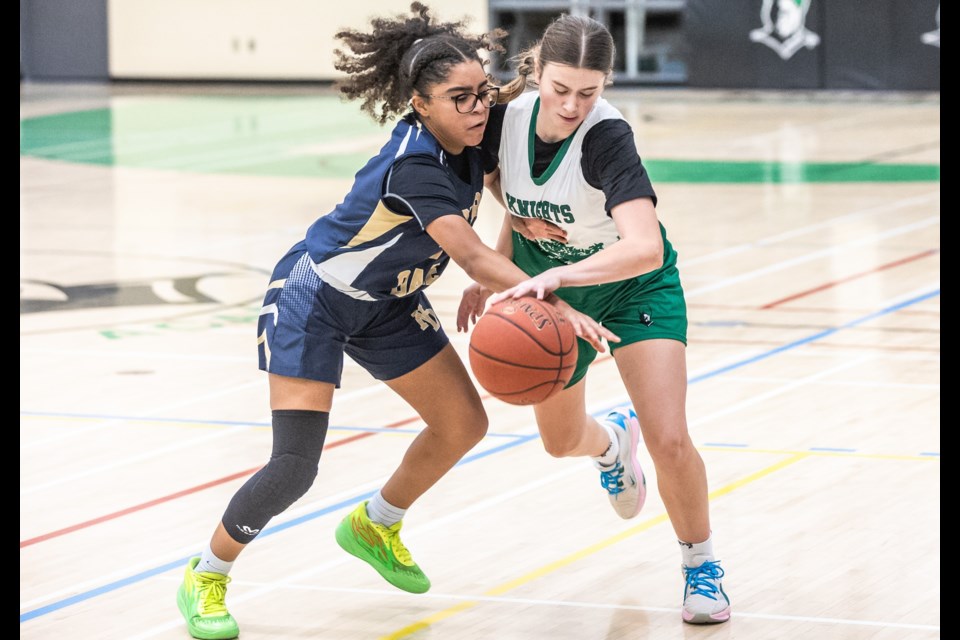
{"type": "Point", "coordinates": [409, 280]}
{"type": "Point", "coordinates": [544, 209]}
{"type": "Point", "coordinates": [426, 318]}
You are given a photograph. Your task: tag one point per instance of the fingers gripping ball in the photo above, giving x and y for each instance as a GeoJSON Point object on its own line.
{"type": "Point", "coordinates": [522, 351]}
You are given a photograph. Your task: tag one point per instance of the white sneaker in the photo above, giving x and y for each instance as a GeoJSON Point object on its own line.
{"type": "Point", "coordinates": [623, 480]}
{"type": "Point", "coordinates": [704, 600]}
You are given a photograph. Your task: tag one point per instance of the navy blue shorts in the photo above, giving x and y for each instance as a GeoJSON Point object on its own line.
{"type": "Point", "coordinates": [306, 326]}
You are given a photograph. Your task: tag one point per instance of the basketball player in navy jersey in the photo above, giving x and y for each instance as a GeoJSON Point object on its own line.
{"type": "Point", "coordinates": [581, 222]}
{"type": "Point", "coordinates": [355, 285]}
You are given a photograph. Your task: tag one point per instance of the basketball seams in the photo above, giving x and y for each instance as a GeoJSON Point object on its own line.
{"type": "Point", "coordinates": [510, 354]}
{"type": "Point", "coordinates": [522, 365]}
{"type": "Point", "coordinates": [553, 319]}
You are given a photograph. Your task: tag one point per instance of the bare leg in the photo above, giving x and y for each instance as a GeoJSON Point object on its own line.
{"type": "Point", "coordinates": [565, 427]}
{"type": "Point", "coordinates": [655, 374]}
{"type": "Point", "coordinates": [443, 394]}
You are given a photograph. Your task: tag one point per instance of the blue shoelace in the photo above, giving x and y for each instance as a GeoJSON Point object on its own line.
{"type": "Point", "coordinates": [703, 580]}
{"type": "Point", "coordinates": [612, 480]}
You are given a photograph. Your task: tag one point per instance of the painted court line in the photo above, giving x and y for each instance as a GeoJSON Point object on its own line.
{"type": "Point", "coordinates": [438, 523]}
{"type": "Point", "coordinates": [350, 501]}
{"type": "Point", "coordinates": [850, 278]}
{"type": "Point", "coordinates": [929, 197]}
{"type": "Point", "coordinates": [60, 439]}
{"type": "Point", "coordinates": [586, 552]}
{"type": "Point", "coordinates": [815, 255]}
{"type": "Point", "coordinates": [526, 602]}
{"type": "Point", "coordinates": [207, 485]}
{"type": "Point", "coordinates": [915, 299]}
{"type": "Point", "coordinates": [772, 393]}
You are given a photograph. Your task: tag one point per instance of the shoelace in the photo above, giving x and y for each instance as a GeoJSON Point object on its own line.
{"type": "Point", "coordinates": [213, 595]}
{"type": "Point", "coordinates": [612, 480]}
{"type": "Point", "coordinates": [702, 580]}
{"type": "Point", "coordinates": [391, 535]}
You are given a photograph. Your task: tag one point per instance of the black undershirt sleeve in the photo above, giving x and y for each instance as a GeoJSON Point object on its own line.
{"type": "Point", "coordinates": [610, 163]}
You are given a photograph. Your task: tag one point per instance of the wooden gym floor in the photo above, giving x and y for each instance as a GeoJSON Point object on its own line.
{"type": "Point", "coordinates": [808, 227]}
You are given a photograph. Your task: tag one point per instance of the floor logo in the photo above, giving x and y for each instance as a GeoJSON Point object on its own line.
{"type": "Point", "coordinates": [784, 27]}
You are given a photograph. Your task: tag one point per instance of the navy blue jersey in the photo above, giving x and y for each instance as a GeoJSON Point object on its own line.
{"type": "Point", "coordinates": [373, 245]}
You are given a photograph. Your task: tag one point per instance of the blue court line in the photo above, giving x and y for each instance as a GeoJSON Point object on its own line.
{"type": "Point", "coordinates": [935, 454]}
{"type": "Point", "coordinates": [832, 449]}
{"type": "Point", "coordinates": [227, 423]}
{"type": "Point", "coordinates": [80, 597]}
{"type": "Point", "coordinates": [269, 531]}
{"type": "Point", "coordinates": [813, 338]}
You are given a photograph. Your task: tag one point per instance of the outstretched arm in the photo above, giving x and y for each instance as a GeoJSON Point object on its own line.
{"type": "Point", "coordinates": [639, 251]}
{"type": "Point", "coordinates": [496, 272]}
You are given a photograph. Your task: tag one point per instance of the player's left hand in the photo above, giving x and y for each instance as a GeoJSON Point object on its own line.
{"type": "Point", "coordinates": [583, 325]}
{"type": "Point", "coordinates": [538, 229]}
{"type": "Point", "coordinates": [472, 304]}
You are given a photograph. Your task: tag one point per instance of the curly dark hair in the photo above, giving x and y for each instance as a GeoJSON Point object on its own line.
{"type": "Point", "coordinates": [402, 55]}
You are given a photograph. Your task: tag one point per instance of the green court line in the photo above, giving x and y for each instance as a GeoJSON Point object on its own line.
{"type": "Point", "coordinates": [740, 172]}
{"type": "Point", "coordinates": [323, 137]}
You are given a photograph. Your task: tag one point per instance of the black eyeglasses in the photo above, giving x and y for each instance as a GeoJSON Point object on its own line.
{"type": "Point", "coordinates": [467, 102]}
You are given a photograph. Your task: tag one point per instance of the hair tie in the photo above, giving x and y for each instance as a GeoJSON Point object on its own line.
{"type": "Point", "coordinates": [414, 58]}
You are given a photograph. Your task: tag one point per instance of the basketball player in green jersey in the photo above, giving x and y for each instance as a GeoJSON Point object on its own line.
{"type": "Point", "coordinates": [581, 221]}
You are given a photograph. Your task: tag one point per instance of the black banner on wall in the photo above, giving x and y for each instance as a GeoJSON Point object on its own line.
{"type": "Point", "coordinates": [806, 44]}
{"type": "Point", "coordinates": [754, 43]}
{"type": "Point", "coordinates": [882, 44]}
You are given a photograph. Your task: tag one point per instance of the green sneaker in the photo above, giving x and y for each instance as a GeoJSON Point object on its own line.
{"type": "Point", "coordinates": [380, 547]}
{"type": "Point", "coordinates": [201, 601]}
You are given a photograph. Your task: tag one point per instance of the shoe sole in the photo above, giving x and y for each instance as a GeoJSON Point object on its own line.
{"type": "Point", "coordinates": [633, 430]}
{"type": "Point", "coordinates": [347, 543]}
{"type": "Point", "coordinates": [706, 618]}
{"type": "Point", "coordinates": [184, 611]}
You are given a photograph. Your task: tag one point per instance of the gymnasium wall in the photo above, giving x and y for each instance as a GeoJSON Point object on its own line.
{"type": "Point", "coordinates": [200, 39]}
{"type": "Point", "coordinates": [779, 44]}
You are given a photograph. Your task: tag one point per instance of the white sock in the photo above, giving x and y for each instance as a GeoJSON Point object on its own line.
{"type": "Point", "coordinates": [608, 457]}
{"type": "Point", "coordinates": [379, 510]}
{"type": "Point", "coordinates": [696, 553]}
{"type": "Point", "coordinates": [209, 563]}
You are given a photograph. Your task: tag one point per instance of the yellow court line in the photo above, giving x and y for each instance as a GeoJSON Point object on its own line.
{"type": "Point", "coordinates": [583, 553]}
{"type": "Point", "coordinates": [826, 454]}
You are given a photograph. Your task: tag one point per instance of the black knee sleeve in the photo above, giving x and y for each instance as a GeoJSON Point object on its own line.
{"type": "Point", "coordinates": [297, 443]}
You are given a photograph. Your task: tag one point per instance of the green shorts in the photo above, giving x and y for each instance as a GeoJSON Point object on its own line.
{"type": "Point", "coordinates": [643, 308]}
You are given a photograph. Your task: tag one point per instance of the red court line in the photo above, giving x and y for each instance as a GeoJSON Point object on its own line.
{"type": "Point", "coordinates": [192, 490]}
{"type": "Point", "coordinates": [834, 283]}
{"type": "Point", "coordinates": [219, 481]}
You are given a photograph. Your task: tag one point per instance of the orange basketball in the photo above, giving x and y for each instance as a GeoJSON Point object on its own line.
{"type": "Point", "coordinates": [522, 351]}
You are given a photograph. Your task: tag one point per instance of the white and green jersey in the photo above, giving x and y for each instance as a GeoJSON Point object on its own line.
{"type": "Point", "coordinates": [560, 194]}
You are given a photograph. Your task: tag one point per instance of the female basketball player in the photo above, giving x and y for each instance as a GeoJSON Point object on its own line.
{"type": "Point", "coordinates": [563, 162]}
{"type": "Point", "coordinates": [355, 286]}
